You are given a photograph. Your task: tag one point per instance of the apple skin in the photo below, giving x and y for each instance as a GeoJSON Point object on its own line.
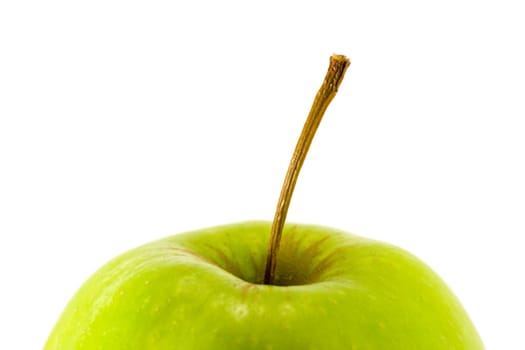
{"type": "Point", "coordinates": [202, 290]}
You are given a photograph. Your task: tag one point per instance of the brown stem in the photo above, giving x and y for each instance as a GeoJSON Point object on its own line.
{"type": "Point", "coordinates": [334, 77]}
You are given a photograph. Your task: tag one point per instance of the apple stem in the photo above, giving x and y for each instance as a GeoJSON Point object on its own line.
{"type": "Point", "coordinates": [334, 77]}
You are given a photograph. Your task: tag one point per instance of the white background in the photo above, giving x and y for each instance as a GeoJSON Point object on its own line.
{"type": "Point", "coordinates": [123, 122]}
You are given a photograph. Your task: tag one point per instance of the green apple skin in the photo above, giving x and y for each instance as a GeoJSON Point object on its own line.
{"type": "Point", "coordinates": [202, 290]}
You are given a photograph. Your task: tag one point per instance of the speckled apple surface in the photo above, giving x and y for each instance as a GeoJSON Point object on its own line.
{"type": "Point", "coordinates": [202, 290]}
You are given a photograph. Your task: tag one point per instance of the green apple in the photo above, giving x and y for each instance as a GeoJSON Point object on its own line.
{"type": "Point", "coordinates": [264, 285]}
{"type": "Point", "coordinates": [203, 290]}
